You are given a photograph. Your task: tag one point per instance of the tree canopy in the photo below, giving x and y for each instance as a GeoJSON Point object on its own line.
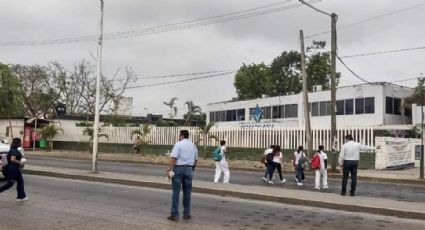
{"type": "Point", "coordinates": [283, 75]}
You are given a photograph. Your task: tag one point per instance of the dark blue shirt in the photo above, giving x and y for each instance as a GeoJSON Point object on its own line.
{"type": "Point", "coordinates": [14, 152]}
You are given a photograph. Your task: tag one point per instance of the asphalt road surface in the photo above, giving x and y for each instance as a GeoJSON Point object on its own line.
{"type": "Point", "coordinates": [402, 192]}
{"type": "Point", "coordinates": [70, 204]}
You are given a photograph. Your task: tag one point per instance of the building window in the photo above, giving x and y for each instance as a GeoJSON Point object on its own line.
{"type": "Point", "coordinates": [328, 108]}
{"type": "Point", "coordinates": [267, 112]}
{"type": "Point", "coordinates": [389, 105]}
{"type": "Point", "coordinates": [340, 107]}
{"type": "Point", "coordinates": [359, 105]}
{"type": "Point", "coordinates": [291, 111]}
{"type": "Point", "coordinates": [397, 106]}
{"type": "Point", "coordinates": [315, 109]}
{"type": "Point", "coordinates": [240, 115]}
{"type": "Point", "coordinates": [369, 105]}
{"type": "Point", "coordinates": [349, 107]}
{"type": "Point", "coordinates": [322, 108]}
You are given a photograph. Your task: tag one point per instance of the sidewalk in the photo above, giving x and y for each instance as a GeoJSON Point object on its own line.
{"type": "Point", "coordinates": [413, 210]}
{"type": "Point", "coordinates": [409, 176]}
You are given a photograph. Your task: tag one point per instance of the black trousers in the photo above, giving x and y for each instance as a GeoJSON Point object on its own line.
{"type": "Point", "coordinates": [349, 167]}
{"type": "Point", "coordinates": [279, 169]}
{"type": "Point", "coordinates": [14, 174]}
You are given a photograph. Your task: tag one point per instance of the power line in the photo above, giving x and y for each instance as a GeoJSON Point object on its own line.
{"type": "Point", "coordinates": [368, 19]}
{"type": "Point", "coordinates": [351, 71]}
{"type": "Point", "coordinates": [186, 74]}
{"type": "Point", "coordinates": [384, 52]}
{"type": "Point", "coordinates": [224, 18]}
{"type": "Point", "coordinates": [184, 80]}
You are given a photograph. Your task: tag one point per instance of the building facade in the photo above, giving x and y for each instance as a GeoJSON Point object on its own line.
{"type": "Point", "coordinates": [372, 104]}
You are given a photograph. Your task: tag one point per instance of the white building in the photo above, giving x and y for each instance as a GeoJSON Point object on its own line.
{"type": "Point", "coordinates": [372, 104]}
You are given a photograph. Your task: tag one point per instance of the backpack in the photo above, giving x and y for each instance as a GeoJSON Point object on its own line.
{"type": "Point", "coordinates": [315, 162]}
{"type": "Point", "coordinates": [302, 161]}
{"type": "Point", "coordinates": [269, 157]}
{"type": "Point", "coordinates": [217, 154]}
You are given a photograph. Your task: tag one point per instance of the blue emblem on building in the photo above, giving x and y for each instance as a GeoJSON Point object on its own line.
{"type": "Point", "coordinates": [258, 114]}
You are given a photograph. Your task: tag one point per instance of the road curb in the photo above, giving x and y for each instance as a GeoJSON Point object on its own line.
{"type": "Point", "coordinates": [239, 194]}
{"type": "Point", "coordinates": [239, 169]}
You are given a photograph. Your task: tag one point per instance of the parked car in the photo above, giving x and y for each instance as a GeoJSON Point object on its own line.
{"type": "Point", "coordinates": [4, 149]}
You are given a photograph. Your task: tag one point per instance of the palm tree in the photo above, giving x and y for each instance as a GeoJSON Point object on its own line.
{"type": "Point", "coordinates": [192, 111]}
{"type": "Point", "coordinates": [204, 132]}
{"type": "Point", "coordinates": [49, 132]}
{"type": "Point", "coordinates": [142, 133]}
{"type": "Point", "coordinates": [172, 106]}
{"type": "Point", "coordinates": [89, 131]}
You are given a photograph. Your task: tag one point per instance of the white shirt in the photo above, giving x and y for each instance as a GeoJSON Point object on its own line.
{"type": "Point", "coordinates": [185, 152]}
{"type": "Point", "coordinates": [350, 151]}
{"type": "Point", "coordinates": [323, 157]}
{"type": "Point", "coordinates": [267, 151]}
{"type": "Point", "coordinates": [278, 157]}
{"type": "Point", "coordinates": [223, 153]}
{"type": "Point", "coordinates": [298, 156]}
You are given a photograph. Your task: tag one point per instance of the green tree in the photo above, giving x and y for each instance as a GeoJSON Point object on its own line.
{"type": "Point", "coordinates": [143, 132]}
{"type": "Point", "coordinates": [89, 131]}
{"type": "Point", "coordinates": [252, 81]}
{"type": "Point", "coordinates": [204, 133]}
{"type": "Point", "coordinates": [418, 96]}
{"type": "Point", "coordinates": [173, 108]}
{"type": "Point", "coordinates": [194, 114]}
{"type": "Point", "coordinates": [286, 74]}
{"type": "Point", "coordinates": [10, 93]}
{"type": "Point", "coordinates": [49, 132]}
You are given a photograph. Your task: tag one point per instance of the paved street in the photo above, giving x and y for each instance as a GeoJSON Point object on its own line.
{"type": "Point", "coordinates": [69, 204]}
{"type": "Point", "coordinates": [414, 193]}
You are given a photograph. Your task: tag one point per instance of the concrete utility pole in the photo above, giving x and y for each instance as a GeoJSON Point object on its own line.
{"type": "Point", "coordinates": [421, 164]}
{"type": "Point", "coordinates": [305, 98]}
{"type": "Point", "coordinates": [334, 18]}
{"type": "Point", "coordinates": [99, 74]}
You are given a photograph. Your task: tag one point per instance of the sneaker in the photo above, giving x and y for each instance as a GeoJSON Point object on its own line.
{"type": "Point", "coordinates": [325, 187]}
{"type": "Point", "coordinates": [264, 179]}
{"type": "Point", "coordinates": [187, 217]}
{"type": "Point", "coordinates": [271, 182]}
{"type": "Point", "coordinates": [317, 188]}
{"type": "Point", "coordinates": [300, 184]}
{"type": "Point", "coordinates": [172, 218]}
{"type": "Point", "coordinates": [22, 199]}
{"type": "Point", "coordinates": [273, 177]}
{"type": "Point", "coordinates": [283, 181]}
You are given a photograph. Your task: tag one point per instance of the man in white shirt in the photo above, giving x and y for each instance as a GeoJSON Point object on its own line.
{"type": "Point", "coordinates": [349, 162]}
{"type": "Point", "coordinates": [182, 163]}
{"type": "Point", "coordinates": [222, 165]}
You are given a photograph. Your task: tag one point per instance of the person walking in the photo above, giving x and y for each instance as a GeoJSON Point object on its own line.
{"type": "Point", "coordinates": [266, 171]}
{"type": "Point", "coordinates": [184, 157]}
{"type": "Point", "coordinates": [299, 163]}
{"type": "Point", "coordinates": [14, 173]}
{"type": "Point", "coordinates": [277, 161]}
{"type": "Point", "coordinates": [349, 162]}
{"type": "Point", "coordinates": [321, 169]}
{"type": "Point", "coordinates": [136, 144]}
{"type": "Point", "coordinates": [222, 166]}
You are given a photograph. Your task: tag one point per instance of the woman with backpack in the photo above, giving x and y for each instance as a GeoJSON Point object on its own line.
{"type": "Point", "coordinates": [300, 160]}
{"type": "Point", "coordinates": [14, 173]}
{"type": "Point", "coordinates": [320, 163]}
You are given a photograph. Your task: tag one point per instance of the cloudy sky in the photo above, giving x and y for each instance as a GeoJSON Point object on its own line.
{"type": "Point", "coordinates": [212, 47]}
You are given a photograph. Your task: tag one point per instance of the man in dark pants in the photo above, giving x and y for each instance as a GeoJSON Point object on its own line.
{"type": "Point", "coordinates": [182, 164]}
{"type": "Point", "coordinates": [349, 162]}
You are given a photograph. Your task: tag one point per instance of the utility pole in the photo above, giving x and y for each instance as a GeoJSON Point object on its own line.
{"type": "Point", "coordinates": [305, 98]}
{"type": "Point", "coordinates": [421, 164]}
{"type": "Point", "coordinates": [99, 74]}
{"type": "Point", "coordinates": [334, 18]}
{"type": "Point", "coordinates": [333, 90]}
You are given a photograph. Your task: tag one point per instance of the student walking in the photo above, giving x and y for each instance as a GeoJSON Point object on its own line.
{"type": "Point", "coordinates": [349, 162]}
{"type": "Point", "coordinates": [277, 161]}
{"type": "Point", "coordinates": [300, 160]}
{"type": "Point", "coordinates": [14, 173]}
{"type": "Point", "coordinates": [222, 166]}
{"type": "Point", "coordinates": [184, 157]}
{"type": "Point", "coordinates": [320, 164]}
{"type": "Point", "coordinates": [266, 171]}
